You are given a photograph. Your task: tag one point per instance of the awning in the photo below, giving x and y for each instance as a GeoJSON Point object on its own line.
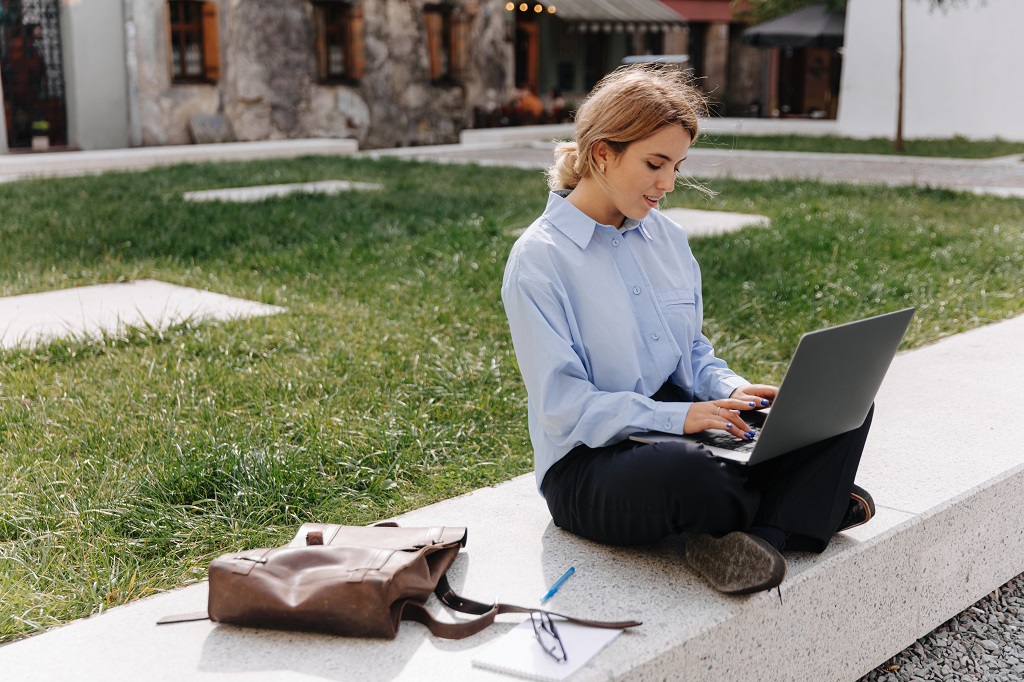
{"type": "Point", "coordinates": [606, 16]}
{"type": "Point", "coordinates": [703, 11]}
{"type": "Point", "coordinates": [812, 26]}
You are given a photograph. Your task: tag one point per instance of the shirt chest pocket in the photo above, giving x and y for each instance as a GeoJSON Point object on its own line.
{"type": "Point", "coordinates": [675, 301]}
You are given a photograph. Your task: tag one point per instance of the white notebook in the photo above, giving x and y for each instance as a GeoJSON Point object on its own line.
{"type": "Point", "coordinates": [519, 653]}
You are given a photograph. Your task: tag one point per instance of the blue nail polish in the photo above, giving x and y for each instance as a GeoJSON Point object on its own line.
{"type": "Point", "coordinates": [728, 425]}
{"type": "Point", "coordinates": [751, 404]}
{"type": "Point", "coordinates": [751, 433]}
{"type": "Point", "coordinates": [764, 401]}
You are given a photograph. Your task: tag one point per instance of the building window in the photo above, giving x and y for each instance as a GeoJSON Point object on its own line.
{"type": "Point", "coordinates": [339, 41]}
{"type": "Point", "coordinates": [446, 42]}
{"type": "Point", "coordinates": [194, 52]}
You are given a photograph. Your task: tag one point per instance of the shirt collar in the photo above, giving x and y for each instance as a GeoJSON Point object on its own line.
{"type": "Point", "coordinates": [575, 224]}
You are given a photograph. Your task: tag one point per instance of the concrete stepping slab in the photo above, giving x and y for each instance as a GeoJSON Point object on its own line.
{"type": "Point", "coordinates": [700, 223]}
{"type": "Point", "coordinates": [949, 530]}
{"type": "Point", "coordinates": [94, 311]}
{"type": "Point", "coordinates": [261, 192]}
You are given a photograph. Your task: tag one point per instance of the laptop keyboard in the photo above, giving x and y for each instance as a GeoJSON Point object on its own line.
{"type": "Point", "coordinates": [723, 440]}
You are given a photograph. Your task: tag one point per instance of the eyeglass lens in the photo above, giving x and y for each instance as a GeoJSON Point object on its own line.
{"type": "Point", "coordinates": [547, 635]}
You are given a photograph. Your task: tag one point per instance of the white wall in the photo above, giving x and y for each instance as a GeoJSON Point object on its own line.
{"type": "Point", "coordinates": [964, 69]}
{"type": "Point", "coordinates": [95, 74]}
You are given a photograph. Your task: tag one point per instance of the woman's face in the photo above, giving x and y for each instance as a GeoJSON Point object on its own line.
{"type": "Point", "coordinates": [639, 177]}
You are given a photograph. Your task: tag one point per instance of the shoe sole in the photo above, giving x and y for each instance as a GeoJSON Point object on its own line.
{"type": "Point", "coordinates": [737, 563]}
{"type": "Point", "coordinates": [868, 514]}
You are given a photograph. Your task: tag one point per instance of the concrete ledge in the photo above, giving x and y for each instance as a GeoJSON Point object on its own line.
{"type": "Point", "coordinates": [768, 126]}
{"type": "Point", "coordinates": [544, 133]}
{"type": "Point", "coordinates": [16, 166]}
{"type": "Point", "coordinates": [945, 475]}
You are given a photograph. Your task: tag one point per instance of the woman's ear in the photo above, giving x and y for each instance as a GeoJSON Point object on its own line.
{"type": "Point", "coordinates": [602, 155]}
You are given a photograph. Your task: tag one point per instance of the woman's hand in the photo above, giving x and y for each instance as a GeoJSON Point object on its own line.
{"type": "Point", "coordinates": [725, 414]}
{"type": "Point", "coordinates": [758, 393]}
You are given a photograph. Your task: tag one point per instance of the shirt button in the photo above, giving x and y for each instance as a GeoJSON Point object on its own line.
{"type": "Point", "coordinates": [615, 242]}
{"type": "Point", "coordinates": [668, 425]}
{"type": "Point", "coordinates": [636, 290]}
{"type": "Point", "coordinates": [655, 336]}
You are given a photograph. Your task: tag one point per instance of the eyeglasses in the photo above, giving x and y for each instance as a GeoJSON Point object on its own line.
{"type": "Point", "coordinates": [547, 635]}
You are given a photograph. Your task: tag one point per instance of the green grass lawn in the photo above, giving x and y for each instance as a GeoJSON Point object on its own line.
{"type": "Point", "coordinates": [127, 464]}
{"type": "Point", "coordinates": [956, 147]}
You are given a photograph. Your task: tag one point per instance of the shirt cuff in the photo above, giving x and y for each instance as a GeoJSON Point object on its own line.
{"type": "Point", "coordinates": [726, 387]}
{"type": "Point", "coordinates": [669, 417]}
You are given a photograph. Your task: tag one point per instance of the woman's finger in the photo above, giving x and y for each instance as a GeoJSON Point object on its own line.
{"type": "Point", "coordinates": [746, 403]}
{"type": "Point", "coordinates": [729, 412]}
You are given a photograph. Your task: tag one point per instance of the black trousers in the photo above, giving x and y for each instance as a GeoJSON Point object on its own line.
{"type": "Point", "coordinates": [632, 493]}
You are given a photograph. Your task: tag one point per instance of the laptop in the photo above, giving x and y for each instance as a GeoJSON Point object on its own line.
{"type": "Point", "coordinates": [828, 389]}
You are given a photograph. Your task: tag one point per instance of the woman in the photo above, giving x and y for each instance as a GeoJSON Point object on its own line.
{"type": "Point", "coordinates": [603, 298]}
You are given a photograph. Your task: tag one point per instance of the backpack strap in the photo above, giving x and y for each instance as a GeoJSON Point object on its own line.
{"type": "Point", "coordinates": [416, 611]}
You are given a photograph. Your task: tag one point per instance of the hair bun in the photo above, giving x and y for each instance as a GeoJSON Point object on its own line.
{"type": "Point", "coordinates": [563, 174]}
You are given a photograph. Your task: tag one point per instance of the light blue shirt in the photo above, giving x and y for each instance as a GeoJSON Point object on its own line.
{"type": "Point", "coordinates": [601, 318]}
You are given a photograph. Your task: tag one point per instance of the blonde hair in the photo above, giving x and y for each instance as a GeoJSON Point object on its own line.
{"type": "Point", "coordinates": [629, 104]}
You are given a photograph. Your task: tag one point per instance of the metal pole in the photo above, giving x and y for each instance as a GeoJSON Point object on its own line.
{"type": "Point", "coordinates": [132, 73]}
{"type": "Point", "coordinates": [3, 123]}
{"type": "Point", "coordinates": [901, 78]}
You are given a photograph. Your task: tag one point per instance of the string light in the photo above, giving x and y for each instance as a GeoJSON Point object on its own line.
{"type": "Point", "coordinates": [523, 7]}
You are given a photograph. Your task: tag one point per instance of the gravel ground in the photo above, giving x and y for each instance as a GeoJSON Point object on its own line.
{"type": "Point", "coordinates": [984, 643]}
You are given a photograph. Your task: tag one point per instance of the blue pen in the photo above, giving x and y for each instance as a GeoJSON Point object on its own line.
{"type": "Point", "coordinates": [558, 583]}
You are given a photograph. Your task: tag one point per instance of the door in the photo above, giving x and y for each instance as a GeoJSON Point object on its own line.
{"type": "Point", "coordinates": [792, 72]}
{"type": "Point", "coordinates": [32, 72]}
{"type": "Point", "coordinates": [527, 55]}
{"type": "Point", "coordinates": [818, 82]}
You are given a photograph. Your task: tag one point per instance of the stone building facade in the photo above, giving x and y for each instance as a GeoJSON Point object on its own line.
{"type": "Point", "coordinates": [409, 71]}
{"type": "Point", "coordinates": [728, 71]}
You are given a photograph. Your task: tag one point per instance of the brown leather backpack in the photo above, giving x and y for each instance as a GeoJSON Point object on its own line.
{"type": "Point", "coordinates": [356, 581]}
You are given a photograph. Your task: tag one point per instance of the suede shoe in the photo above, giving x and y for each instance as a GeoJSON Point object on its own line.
{"type": "Point", "coordinates": [737, 563]}
{"type": "Point", "coordinates": [860, 511]}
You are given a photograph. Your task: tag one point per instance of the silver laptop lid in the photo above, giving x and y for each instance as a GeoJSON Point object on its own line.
{"type": "Point", "coordinates": [831, 382]}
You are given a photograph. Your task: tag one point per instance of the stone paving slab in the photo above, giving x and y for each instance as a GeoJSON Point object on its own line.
{"type": "Point", "coordinates": [700, 223]}
{"type": "Point", "coordinates": [261, 192]}
{"type": "Point", "coordinates": [950, 529]}
{"type": "Point", "coordinates": [93, 311]}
